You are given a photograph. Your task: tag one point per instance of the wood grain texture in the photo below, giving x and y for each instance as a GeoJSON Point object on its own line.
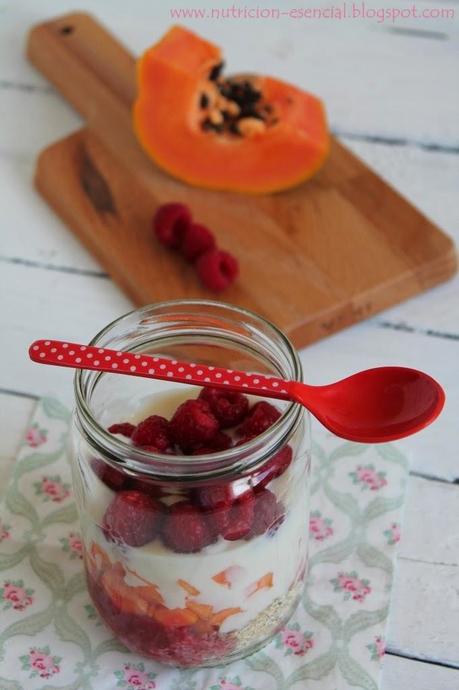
{"type": "Point", "coordinates": [314, 259]}
{"type": "Point", "coordinates": [409, 674]}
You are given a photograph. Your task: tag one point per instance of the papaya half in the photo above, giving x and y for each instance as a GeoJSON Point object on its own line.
{"type": "Point", "coordinates": [245, 133]}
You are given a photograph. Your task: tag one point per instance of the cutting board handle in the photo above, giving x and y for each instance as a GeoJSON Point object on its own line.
{"type": "Point", "coordinates": [84, 61]}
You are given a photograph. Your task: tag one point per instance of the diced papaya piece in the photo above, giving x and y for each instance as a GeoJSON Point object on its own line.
{"type": "Point", "coordinates": [203, 611]}
{"type": "Point", "coordinates": [175, 618]}
{"type": "Point", "coordinates": [221, 579]}
{"type": "Point", "coordinates": [124, 597]}
{"type": "Point", "coordinates": [149, 591]}
{"type": "Point", "coordinates": [221, 616]}
{"type": "Point", "coordinates": [150, 594]}
{"type": "Point", "coordinates": [99, 561]}
{"type": "Point", "coordinates": [264, 582]}
{"type": "Point", "coordinates": [228, 577]}
{"type": "Point", "coordinates": [202, 627]}
{"type": "Point", "coordinates": [188, 587]}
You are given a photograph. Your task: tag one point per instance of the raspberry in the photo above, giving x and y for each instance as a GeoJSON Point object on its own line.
{"type": "Point", "coordinates": [268, 514]}
{"type": "Point", "coordinates": [188, 647]}
{"type": "Point", "coordinates": [132, 518]}
{"type": "Point", "coordinates": [111, 477]}
{"type": "Point", "coordinates": [170, 222]}
{"type": "Point", "coordinates": [272, 469]}
{"type": "Point", "coordinates": [221, 441]}
{"type": "Point", "coordinates": [217, 269]}
{"type": "Point", "coordinates": [216, 501]}
{"type": "Point", "coordinates": [154, 433]}
{"type": "Point", "coordinates": [197, 239]}
{"type": "Point", "coordinates": [216, 444]}
{"type": "Point", "coordinates": [229, 408]}
{"type": "Point", "coordinates": [124, 428]}
{"type": "Point", "coordinates": [213, 497]}
{"type": "Point", "coordinates": [261, 417]}
{"type": "Point", "coordinates": [185, 529]}
{"type": "Point", "coordinates": [193, 425]}
{"type": "Point", "coordinates": [146, 487]}
{"type": "Point", "coordinates": [240, 518]}
{"type": "Point", "coordinates": [218, 521]}
{"type": "Point", "coordinates": [244, 439]}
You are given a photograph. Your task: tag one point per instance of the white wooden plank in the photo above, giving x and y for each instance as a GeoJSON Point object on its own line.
{"type": "Point", "coordinates": [429, 179]}
{"type": "Point", "coordinates": [390, 91]}
{"type": "Point", "coordinates": [431, 523]}
{"type": "Point", "coordinates": [406, 674]}
{"type": "Point", "coordinates": [52, 120]}
{"type": "Point", "coordinates": [36, 303]}
{"type": "Point", "coordinates": [432, 451]}
{"type": "Point", "coordinates": [423, 619]}
{"type": "Point", "coordinates": [31, 231]}
{"type": "Point", "coordinates": [14, 415]}
{"type": "Point", "coordinates": [435, 311]}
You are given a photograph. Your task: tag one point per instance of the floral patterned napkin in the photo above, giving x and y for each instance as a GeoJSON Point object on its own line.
{"type": "Point", "coordinates": [50, 634]}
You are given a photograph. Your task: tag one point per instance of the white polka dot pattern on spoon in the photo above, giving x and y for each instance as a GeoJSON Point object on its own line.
{"type": "Point", "coordinates": [70, 355]}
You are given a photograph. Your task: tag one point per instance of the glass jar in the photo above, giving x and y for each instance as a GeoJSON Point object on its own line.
{"type": "Point", "coordinates": [192, 559]}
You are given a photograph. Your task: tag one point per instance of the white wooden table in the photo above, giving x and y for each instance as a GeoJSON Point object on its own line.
{"type": "Point", "coordinates": [391, 97]}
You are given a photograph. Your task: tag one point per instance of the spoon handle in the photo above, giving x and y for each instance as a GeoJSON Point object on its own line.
{"type": "Point", "coordinates": [65, 354]}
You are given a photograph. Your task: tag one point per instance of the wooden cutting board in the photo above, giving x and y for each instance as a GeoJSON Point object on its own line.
{"type": "Point", "coordinates": [314, 259]}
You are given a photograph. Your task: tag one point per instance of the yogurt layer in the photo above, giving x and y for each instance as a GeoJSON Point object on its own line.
{"type": "Point", "coordinates": [249, 574]}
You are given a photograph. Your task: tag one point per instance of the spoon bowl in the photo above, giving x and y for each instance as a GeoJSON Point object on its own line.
{"type": "Point", "coordinates": [376, 405]}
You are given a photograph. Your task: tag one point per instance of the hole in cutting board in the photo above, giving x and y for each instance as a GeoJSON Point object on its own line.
{"type": "Point", "coordinates": [67, 29]}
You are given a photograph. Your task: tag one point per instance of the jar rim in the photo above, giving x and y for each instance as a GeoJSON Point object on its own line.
{"type": "Point", "coordinates": [215, 464]}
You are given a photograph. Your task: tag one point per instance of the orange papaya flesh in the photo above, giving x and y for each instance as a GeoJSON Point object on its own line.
{"type": "Point", "coordinates": [175, 618]}
{"type": "Point", "coordinates": [246, 133]}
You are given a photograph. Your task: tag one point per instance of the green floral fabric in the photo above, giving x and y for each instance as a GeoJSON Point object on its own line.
{"type": "Point", "coordinates": [51, 636]}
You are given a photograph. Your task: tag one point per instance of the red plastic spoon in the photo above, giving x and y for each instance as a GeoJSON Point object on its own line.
{"type": "Point", "coordinates": [372, 406]}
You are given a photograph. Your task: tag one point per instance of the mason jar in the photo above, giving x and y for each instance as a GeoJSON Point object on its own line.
{"type": "Point", "coordinates": [194, 556]}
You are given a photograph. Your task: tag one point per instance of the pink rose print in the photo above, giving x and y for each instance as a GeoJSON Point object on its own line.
{"type": "Point", "coordinates": [353, 587]}
{"type": "Point", "coordinates": [52, 489]}
{"type": "Point", "coordinates": [134, 677]}
{"type": "Point", "coordinates": [377, 648]}
{"type": "Point", "coordinates": [14, 595]}
{"type": "Point", "coordinates": [73, 545]}
{"type": "Point", "coordinates": [367, 477]}
{"type": "Point", "coordinates": [294, 641]}
{"type": "Point", "coordinates": [35, 436]}
{"type": "Point", "coordinates": [40, 662]}
{"type": "Point", "coordinates": [392, 534]}
{"type": "Point", "coordinates": [320, 528]}
{"type": "Point", "coordinates": [4, 531]}
{"type": "Point", "coordinates": [44, 663]}
{"type": "Point", "coordinates": [76, 544]}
